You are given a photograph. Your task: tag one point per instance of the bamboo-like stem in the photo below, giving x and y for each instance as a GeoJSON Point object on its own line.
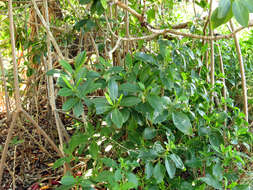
{"type": "Point", "coordinates": [243, 78]}
{"type": "Point", "coordinates": [51, 37]}
{"type": "Point", "coordinates": [7, 142]}
{"type": "Point", "coordinates": [7, 102]}
{"type": "Point", "coordinates": [224, 90]}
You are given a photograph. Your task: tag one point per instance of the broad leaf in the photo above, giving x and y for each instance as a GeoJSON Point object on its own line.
{"type": "Point", "coordinates": [65, 92]}
{"type": "Point", "coordinates": [149, 133]}
{"type": "Point", "coordinates": [132, 179]}
{"type": "Point", "coordinates": [156, 102]}
{"type": "Point", "coordinates": [158, 173]}
{"type": "Point", "coordinates": [218, 171]}
{"type": "Point", "coordinates": [128, 87]}
{"type": "Point", "coordinates": [101, 105]}
{"type": "Point", "coordinates": [117, 118]}
{"type": "Point", "coordinates": [145, 57]}
{"type": "Point", "coordinates": [177, 160]}
{"type": "Point", "coordinates": [130, 101]}
{"type": "Point", "coordinates": [182, 122]}
{"type": "Point", "coordinates": [78, 109]}
{"type": "Point", "coordinates": [213, 182]}
{"type": "Point", "coordinates": [148, 170]}
{"type": "Point", "coordinates": [249, 5]}
{"type": "Point", "coordinates": [84, 2]}
{"type": "Point", "coordinates": [113, 89]}
{"type": "Point", "coordinates": [241, 12]}
{"type": "Point", "coordinates": [223, 9]}
{"type": "Point", "coordinates": [69, 104]}
{"type": "Point", "coordinates": [109, 162]}
{"type": "Point", "coordinates": [215, 21]}
{"type": "Point", "coordinates": [80, 59]}
{"type": "Point", "coordinates": [216, 139]}
{"type": "Point", "coordinates": [170, 167]}
{"type": "Point", "coordinates": [66, 66]}
{"type": "Point", "coordinates": [68, 180]}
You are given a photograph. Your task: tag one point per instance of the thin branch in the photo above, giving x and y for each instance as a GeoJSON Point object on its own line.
{"type": "Point", "coordinates": [243, 78]}
{"type": "Point", "coordinates": [48, 30]}
{"type": "Point", "coordinates": [7, 102]}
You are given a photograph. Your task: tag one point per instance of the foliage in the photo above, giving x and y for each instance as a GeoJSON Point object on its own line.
{"type": "Point", "coordinates": [158, 114]}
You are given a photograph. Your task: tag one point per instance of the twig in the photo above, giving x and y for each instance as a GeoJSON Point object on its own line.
{"type": "Point", "coordinates": [243, 78]}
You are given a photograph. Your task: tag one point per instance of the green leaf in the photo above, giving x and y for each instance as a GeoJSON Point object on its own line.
{"type": "Point", "coordinates": [101, 105]}
{"type": "Point", "coordinates": [59, 163]}
{"type": "Point", "coordinates": [132, 179]}
{"type": "Point", "coordinates": [131, 88]}
{"type": "Point", "coordinates": [211, 181]}
{"type": "Point", "coordinates": [218, 171]}
{"type": "Point", "coordinates": [74, 142]}
{"type": "Point", "coordinates": [109, 162]}
{"type": "Point", "coordinates": [215, 21]}
{"type": "Point", "coordinates": [156, 102]}
{"type": "Point", "coordinates": [52, 72]}
{"type": "Point", "coordinates": [241, 12]}
{"type": "Point", "coordinates": [80, 59]}
{"type": "Point", "coordinates": [66, 66]}
{"type": "Point", "coordinates": [149, 133]}
{"type": "Point", "coordinates": [177, 160]}
{"type": "Point", "coordinates": [65, 92]}
{"type": "Point", "coordinates": [216, 139]}
{"type": "Point", "coordinates": [223, 9]}
{"type": "Point", "coordinates": [104, 3]}
{"type": "Point", "coordinates": [182, 122]}
{"type": "Point", "coordinates": [94, 150]}
{"type": "Point", "coordinates": [113, 89]}
{"type": "Point", "coordinates": [170, 167]}
{"type": "Point", "coordinates": [146, 58]}
{"type": "Point", "coordinates": [67, 82]}
{"type": "Point", "coordinates": [249, 5]}
{"type": "Point", "coordinates": [108, 99]}
{"type": "Point", "coordinates": [242, 187]}
{"type": "Point", "coordinates": [158, 173]}
{"type": "Point", "coordinates": [78, 109]}
{"type": "Point", "coordinates": [84, 2]}
{"type": "Point", "coordinates": [117, 118]}
{"type": "Point", "coordinates": [69, 104]}
{"type": "Point", "coordinates": [68, 180]}
{"type": "Point", "coordinates": [130, 101]}
{"type": "Point", "coordinates": [149, 170]}
{"type": "Point", "coordinates": [118, 175]}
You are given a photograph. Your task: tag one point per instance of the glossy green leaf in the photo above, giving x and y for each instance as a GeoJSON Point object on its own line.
{"type": "Point", "coordinates": [78, 109]}
{"type": "Point", "coordinates": [130, 101]}
{"type": "Point", "coordinates": [145, 57]}
{"type": "Point", "coordinates": [249, 5]}
{"type": "Point", "coordinates": [118, 175]}
{"type": "Point", "coordinates": [215, 21]}
{"type": "Point", "coordinates": [66, 66]}
{"type": "Point", "coordinates": [182, 122]}
{"type": "Point", "coordinates": [132, 179]}
{"type": "Point", "coordinates": [170, 167]}
{"type": "Point", "coordinates": [240, 12]}
{"type": "Point", "coordinates": [84, 2]}
{"type": "Point", "coordinates": [216, 139]}
{"type": "Point", "coordinates": [177, 160]}
{"type": "Point", "coordinates": [158, 173]}
{"type": "Point", "coordinates": [117, 118]}
{"type": "Point", "coordinates": [218, 171]}
{"type": "Point", "coordinates": [211, 181]}
{"type": "Point", "coordinates": [109, 162]}
{"type": "Point", "coordinates": [104, 3]}
{"type": "Point", "coordinates": [68, 180]}
{"type": "Point", "coordinates": [149, 170]}
{"type": "Point", "coordinates": [52, 72]}
{"type": "Point", "coordinates": [65, 92]}
{"type": "Point", "coordinates": [223, 9]}
{"type": "Point", "coordinates": [101, 105]}
{"type": "Point", "coordinates": [131, 88]}
{"type": "Point", "coordinates": [113, 89]}
{"type": "Point", "coordinates": [242, 187]}
{"type": "Point", "coordinates": [156, 102]}
{"type": "Point", "coordinates": [69, 104]}
{"type": "Point", "coordinates": [149, 133]}
{"type": "Point", "coordinates": [80, 59]}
